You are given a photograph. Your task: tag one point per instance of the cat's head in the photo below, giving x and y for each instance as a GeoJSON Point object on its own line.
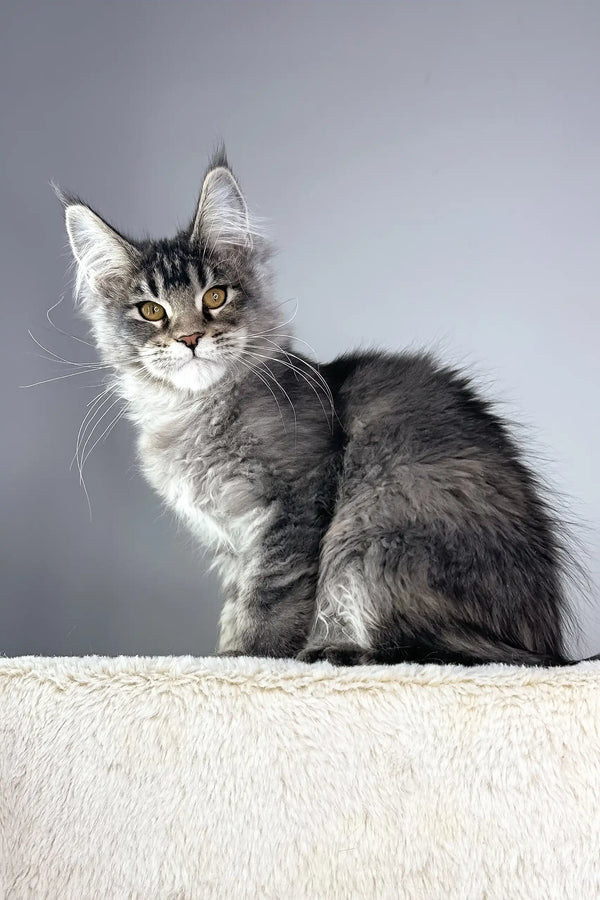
{"type": "Point", "coordinates": [184, 312]}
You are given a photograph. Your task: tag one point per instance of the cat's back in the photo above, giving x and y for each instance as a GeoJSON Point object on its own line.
{"type": "Point", "coordinates": [415, 401]}
{"type": "Point", "coordinates": [422, 446]}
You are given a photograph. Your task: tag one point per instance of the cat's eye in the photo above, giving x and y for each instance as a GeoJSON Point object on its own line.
{"type": "Point", "coordinates": [214, 297]}
{"type": "Point", "coordinates": [154, 312]}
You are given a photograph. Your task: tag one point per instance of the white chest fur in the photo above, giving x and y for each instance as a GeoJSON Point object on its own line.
{"type": "Point", "coordinates": [199, 479]}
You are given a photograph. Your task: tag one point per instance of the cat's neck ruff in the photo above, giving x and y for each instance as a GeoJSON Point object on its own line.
{"type": "Point", "coordinates": [154, 406]}
{"type": "Point", "coordinates": [180, 447]}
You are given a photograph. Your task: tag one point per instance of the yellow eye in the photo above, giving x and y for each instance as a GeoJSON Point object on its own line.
{"type": "Point", "coordinates": [154, 312]}
{"type": "Point", "coordinates": [214, 297]}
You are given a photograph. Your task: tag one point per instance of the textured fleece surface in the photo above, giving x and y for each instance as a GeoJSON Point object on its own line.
{"type": "Point", "coordinates": [184, 779]}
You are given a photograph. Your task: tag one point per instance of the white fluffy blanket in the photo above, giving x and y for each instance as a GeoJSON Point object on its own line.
{"type": "Point", "coordinates": [186, 779]}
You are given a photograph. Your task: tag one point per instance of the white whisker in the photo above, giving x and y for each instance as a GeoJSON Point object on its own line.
{"type": "Point", "coordinates": [91, 411]}
{"type": "Point", "coordinates": [281, 388]}
{"type": "Point", "coordinates": [60, 331]}
{"type": "Point", "coordinates": [57, 358]}
{"type": "Point", "coordinates": [106, 431]}
{"type": "Point", "coordinates": [303, 375]}
{"type": "Point", "coordinates": [281, 324]}
{"type": "Point", "coordinates": [291, 337]}
{"type": "Point", "coordinates": [318, 378]}
{"type": "Point", "coordinates": [60, 377]}
{"type": "Point", "coordinates": [252, 369]}
{"type": "Point", "coordinates": [93, 406]}
{"type": "Point", "coordinates": [90, 433]}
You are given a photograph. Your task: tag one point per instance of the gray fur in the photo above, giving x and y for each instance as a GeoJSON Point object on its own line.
{"type": "Point", "coordinates": [371, 509]}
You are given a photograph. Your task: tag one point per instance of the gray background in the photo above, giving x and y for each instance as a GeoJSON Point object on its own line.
{"type": "Point", "coordinates": [431, 172]}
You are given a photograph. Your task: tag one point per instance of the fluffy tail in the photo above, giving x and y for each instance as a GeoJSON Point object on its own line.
{"type": "Point", "coordinates": [455, 649]}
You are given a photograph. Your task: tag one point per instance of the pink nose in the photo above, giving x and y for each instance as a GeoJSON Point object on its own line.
{"type": "Point", "coordinates": [190, 340]}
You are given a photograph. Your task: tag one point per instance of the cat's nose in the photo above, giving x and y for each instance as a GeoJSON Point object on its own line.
{"type": "Point", "coordinates": [190, 340]}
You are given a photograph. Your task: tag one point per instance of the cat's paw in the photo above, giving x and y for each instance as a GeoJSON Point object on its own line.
{"type": "Point", "coordinates": [230, 653]}
{"type": "Point", "coordinates": [337, 654]}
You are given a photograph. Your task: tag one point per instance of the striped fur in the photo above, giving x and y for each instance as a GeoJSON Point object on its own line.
{"type": "Point", "coordinates": [371, 509]}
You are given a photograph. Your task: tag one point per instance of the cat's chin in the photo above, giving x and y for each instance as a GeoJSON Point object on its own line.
{"type": "Point", "coordinates": [198, 375]}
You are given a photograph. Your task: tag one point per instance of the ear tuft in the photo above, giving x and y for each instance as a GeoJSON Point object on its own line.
{"type": "Point", "coordinates": [219, 159]}
{"type": "Point", "coordinates": [61, 195]}
{"type": "Point", "coordinates": [104, 258]}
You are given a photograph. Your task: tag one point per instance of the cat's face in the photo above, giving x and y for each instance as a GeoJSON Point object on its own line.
{"type": "Point", "coordinates": [186, 312]}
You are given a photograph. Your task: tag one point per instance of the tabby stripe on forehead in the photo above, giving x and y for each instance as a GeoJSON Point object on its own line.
{"type": "Point", "coordinates": [201, 270]}
{"type": "Point", "coordinates": [165, 272]}
{"type": "Point", "coordinates": [151, 282]}
{"type": "Point", "coordinates": [173, 273]}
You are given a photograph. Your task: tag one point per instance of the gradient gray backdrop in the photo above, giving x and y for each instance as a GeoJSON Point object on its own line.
{"type": "Point", "coordinates": [432, 173]}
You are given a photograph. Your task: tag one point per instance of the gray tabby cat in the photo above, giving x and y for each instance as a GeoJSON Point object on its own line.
{"type": "Point", "coordinates": [373, 509]}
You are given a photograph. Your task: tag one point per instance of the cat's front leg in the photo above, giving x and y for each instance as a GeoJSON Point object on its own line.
{"type": "Point", "coordinates": [237, 627]}
{"type": "Point", "coordinates": [345, 614]}
{"type": "Point", "coordinates": [267, 619]}
{"type": "Point", "coordinates": [338, 653]}
{"type": "Point", "coordinates": [338, 634]}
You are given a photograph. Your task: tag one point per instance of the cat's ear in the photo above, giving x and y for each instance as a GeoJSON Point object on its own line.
{"type": "Point", "coordinates": [105, 259]}
{"type": "Point", "coordinates": [222, 222]}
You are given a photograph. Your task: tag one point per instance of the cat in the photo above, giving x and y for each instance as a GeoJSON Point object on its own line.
{"type": "Point", "coordinates": [370, 510]}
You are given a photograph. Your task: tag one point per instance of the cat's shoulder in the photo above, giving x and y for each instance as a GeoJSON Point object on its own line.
{"type": "Point", "coordinates": [413, 387]}
{"type": "Point", "coordinates": [377, 368]}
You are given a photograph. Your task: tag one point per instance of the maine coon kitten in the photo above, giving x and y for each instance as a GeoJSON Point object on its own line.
{"type": "Point", "coordinates": [373, 509]}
